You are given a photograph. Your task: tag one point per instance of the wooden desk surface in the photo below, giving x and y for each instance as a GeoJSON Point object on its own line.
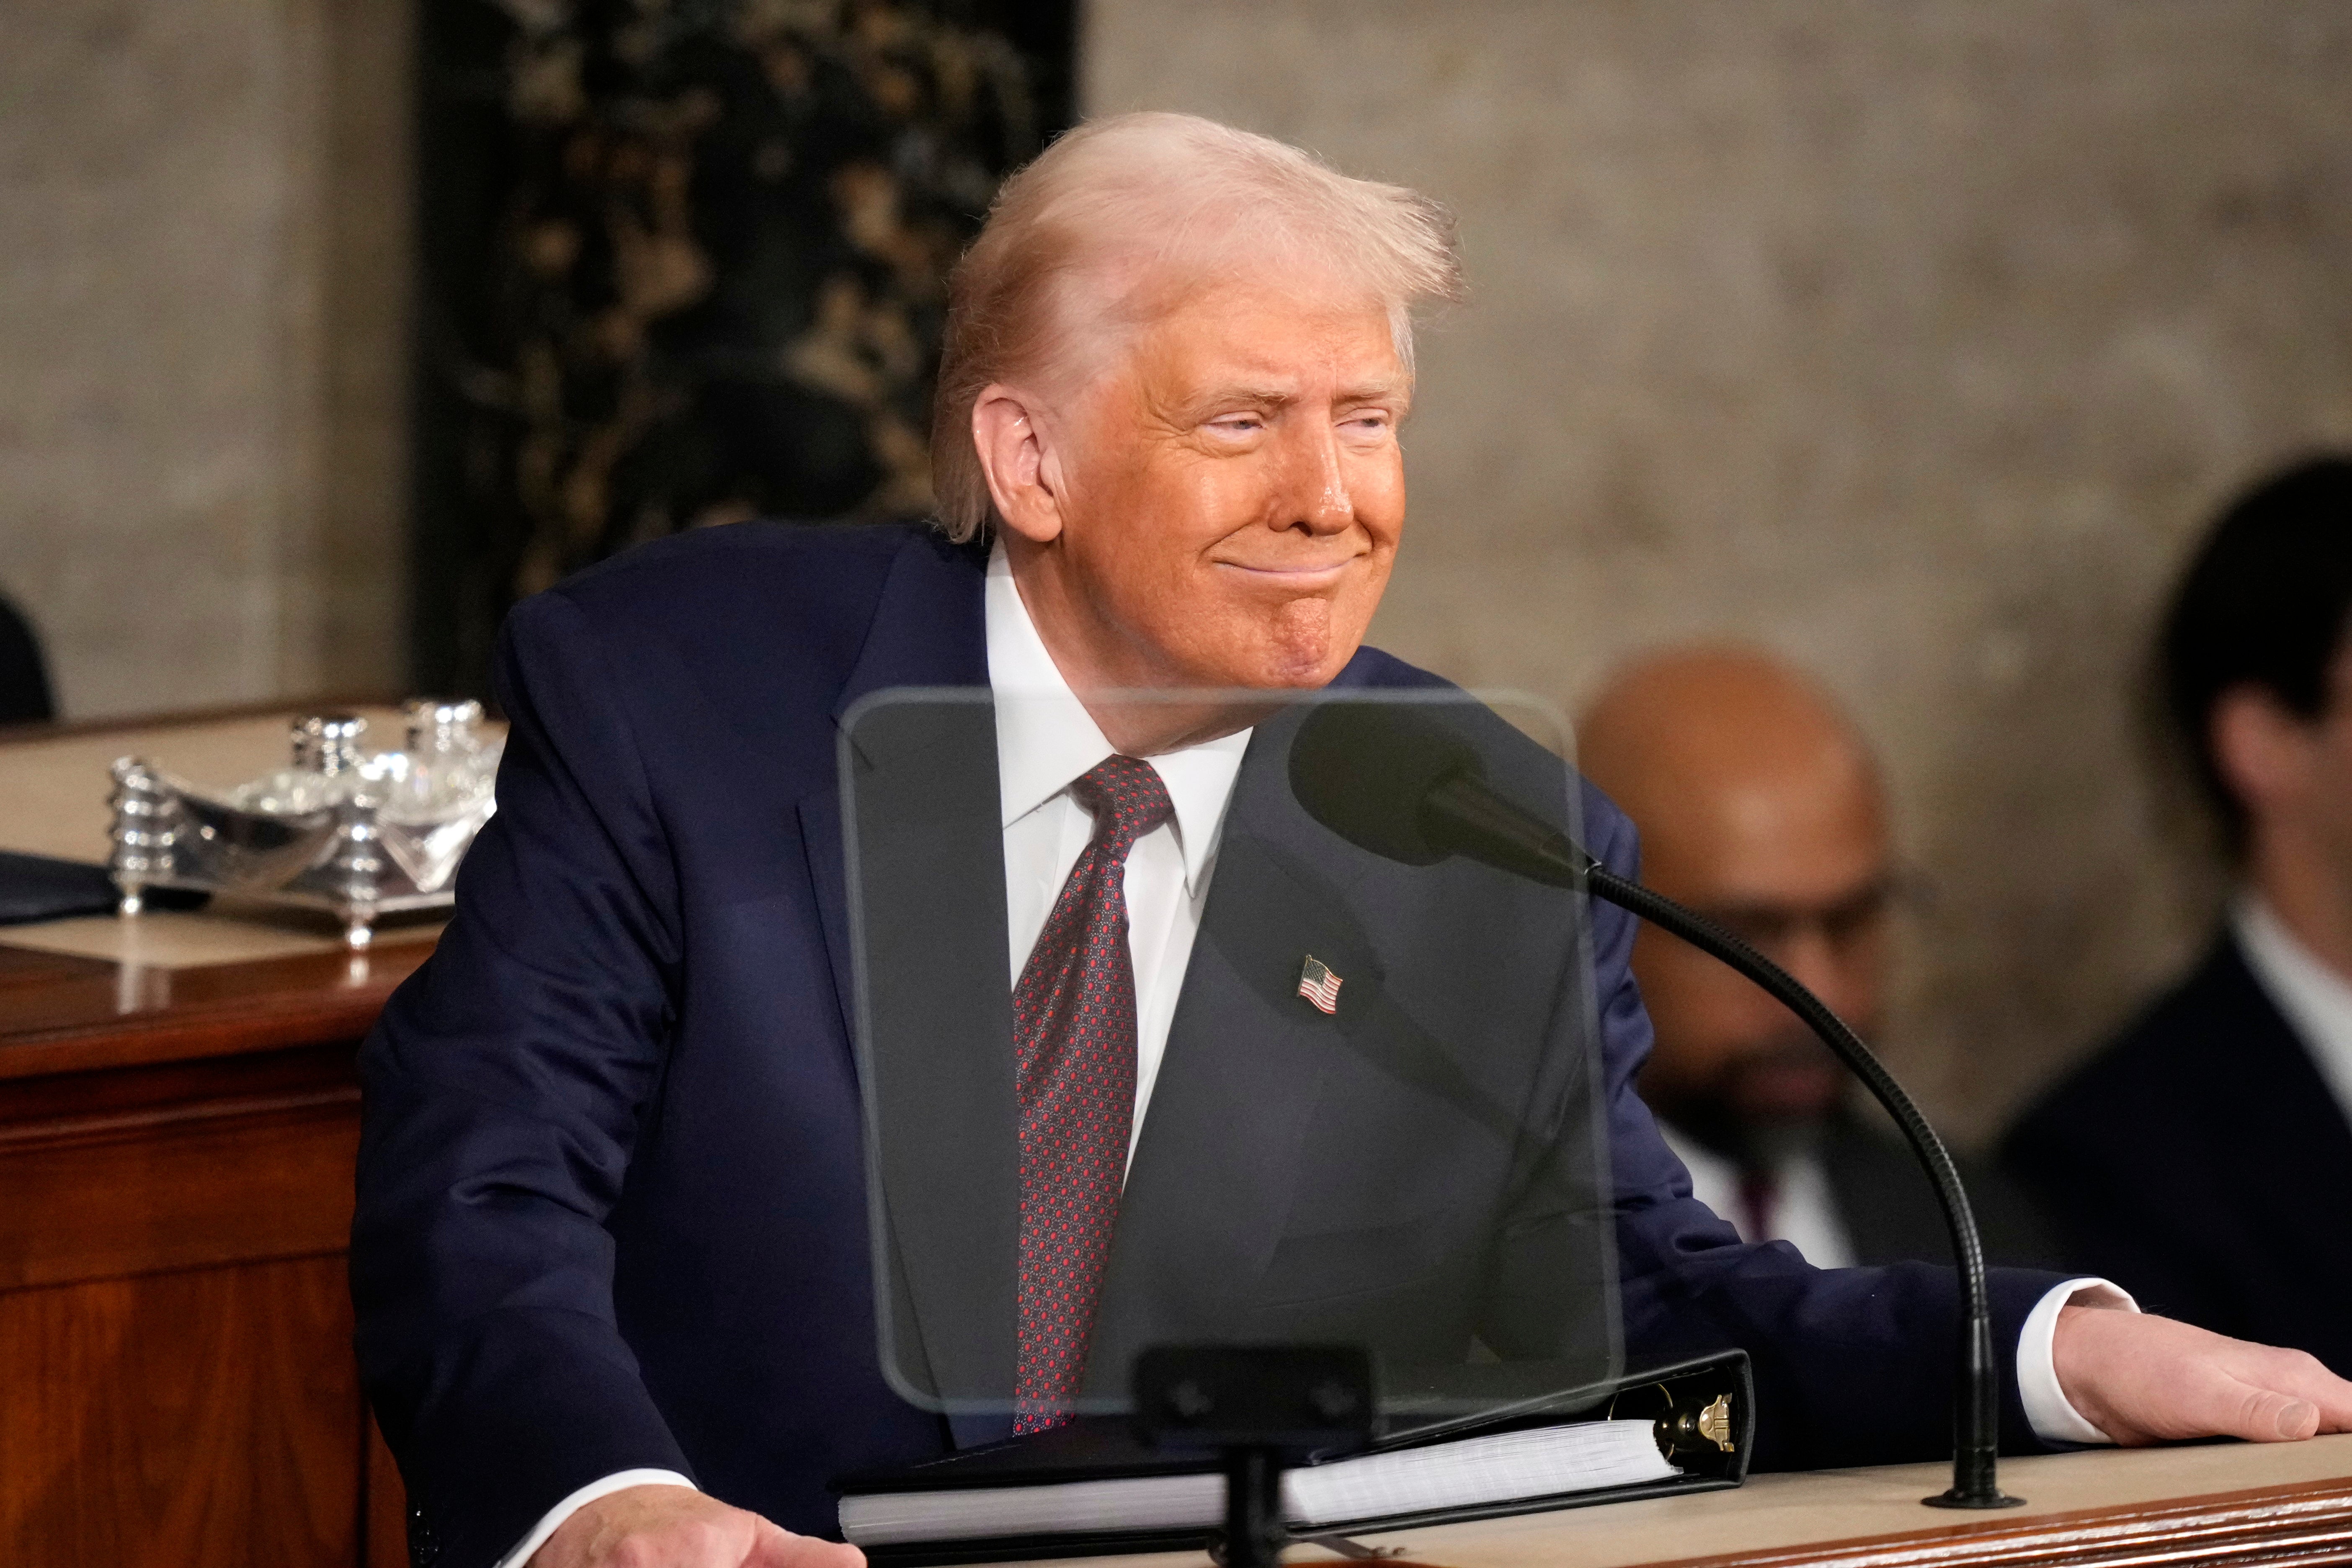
{"type": "Point", "coordinates": [2236, 1502]}
{"type": "Point", "coordinates": [54, 786]}
{"type": "Point", "coordinates": [61, 1014]}
{"type": "Point", "coordinates": [54, 780]}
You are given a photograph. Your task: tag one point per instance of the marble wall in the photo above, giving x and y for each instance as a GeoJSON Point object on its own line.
{"type": "Point", "coordinates": [1912, 338]}
{"type": "Point", "coordinates": [204, 260]}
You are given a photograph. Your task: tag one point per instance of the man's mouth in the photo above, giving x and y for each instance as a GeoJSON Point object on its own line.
{"type": "Point", "coordinates": [1304, 574]}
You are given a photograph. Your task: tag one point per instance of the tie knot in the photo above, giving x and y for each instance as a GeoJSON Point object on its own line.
{"type": "Point", "coordinates": [1125, 796]}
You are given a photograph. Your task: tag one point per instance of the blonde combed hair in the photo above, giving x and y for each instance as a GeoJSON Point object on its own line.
{"type": "Point", "coordinates": [1141, 197]}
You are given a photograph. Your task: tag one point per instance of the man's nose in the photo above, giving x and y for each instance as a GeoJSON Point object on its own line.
{"type": "Point", "coordinates": [1844, 981]}
{"type": "Point", "coordinates": [1316, 497]}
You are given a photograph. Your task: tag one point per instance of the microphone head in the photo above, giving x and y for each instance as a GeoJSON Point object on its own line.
{"type": "Point", "coordinates": [1364, 769]}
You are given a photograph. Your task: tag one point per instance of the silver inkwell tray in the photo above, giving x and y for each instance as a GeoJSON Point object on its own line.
{"type": "Point", "coordinates": [355, 834]}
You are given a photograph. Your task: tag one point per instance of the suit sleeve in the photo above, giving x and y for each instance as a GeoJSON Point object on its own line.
{"type": "Point", "coordinates": [503, 1089]}
{"type": "Point", "coordinates": [1853, 1366]}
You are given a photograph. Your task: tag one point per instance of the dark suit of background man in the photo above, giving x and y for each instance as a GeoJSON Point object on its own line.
{"type": "Point", "coordinates": [611, 1241]}
{"type": "Point", "coordinates": [2169, 1155]}
{"type": "Point", "coordinates": [1760, 805]}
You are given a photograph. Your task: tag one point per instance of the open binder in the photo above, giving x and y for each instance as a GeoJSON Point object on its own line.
{"type": "Point", "coordinates": [1091, 1488]}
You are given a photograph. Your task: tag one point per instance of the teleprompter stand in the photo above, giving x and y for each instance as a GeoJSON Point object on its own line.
{"type": "Point", "coordinates": [1259, 1408]}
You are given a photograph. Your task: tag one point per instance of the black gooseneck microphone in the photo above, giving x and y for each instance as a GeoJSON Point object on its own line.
{"type": "Point", "coordinates": [1398, 784]}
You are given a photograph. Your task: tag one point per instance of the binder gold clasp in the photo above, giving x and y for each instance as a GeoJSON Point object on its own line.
{"type": "Point", "coordinates": [1684, 1428]}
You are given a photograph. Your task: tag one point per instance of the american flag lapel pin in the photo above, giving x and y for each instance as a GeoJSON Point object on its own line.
{"type": "Point", "coordinates": [1319, 984]}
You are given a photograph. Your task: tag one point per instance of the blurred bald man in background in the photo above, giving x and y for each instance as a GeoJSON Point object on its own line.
{"type": "Point", "coordinates": [1760, 805]}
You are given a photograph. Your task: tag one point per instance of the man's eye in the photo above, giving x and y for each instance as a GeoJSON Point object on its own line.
{"type": "Point", "coordinates": [1237, 424]}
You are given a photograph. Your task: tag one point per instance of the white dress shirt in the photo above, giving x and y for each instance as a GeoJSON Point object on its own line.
{"type": "Point", "coordinates": [1045, 740]}
{"type": "Point", "coordinates": [1803, 1214]}
{"type": "Point", "coordinates": [2316, 1000]}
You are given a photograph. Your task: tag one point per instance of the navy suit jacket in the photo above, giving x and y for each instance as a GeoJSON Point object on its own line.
{"type": "Point", "coordinates": [611, 1200]}
{"type": "Point", "coordinates": [2167, 1156]}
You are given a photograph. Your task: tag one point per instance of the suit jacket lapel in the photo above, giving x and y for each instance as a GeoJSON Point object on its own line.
{"type": "Point", "coordinates": [930, 630]}
{"type": "Point", "coordinates": [821, 841]}
{"type": "Point", "coordinates": [2293, 1137]}
{"type": "Point", "coordinates": [912, 903]}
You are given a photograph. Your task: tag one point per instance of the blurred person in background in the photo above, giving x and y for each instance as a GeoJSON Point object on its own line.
{"type": "Point", "coordinates": [1761, 806]}
{"type": "Point", "coordinates": [25, 696]}
{"type": "Point", "coordinates": [2171, 1158]}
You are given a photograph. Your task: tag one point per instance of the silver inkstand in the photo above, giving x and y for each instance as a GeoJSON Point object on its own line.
{"type": "Point", "coordinates": [354, 833]}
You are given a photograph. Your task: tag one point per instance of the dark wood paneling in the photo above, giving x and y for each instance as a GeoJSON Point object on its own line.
{"type": "Point", "coordinates": [66, 1105]}
{"type": "Point", "coordinates": [214, 1182]}
{"type": "Point", "coordinates": [176, 1382]}
{"type": "Point", "coordinates": [205, 1417]}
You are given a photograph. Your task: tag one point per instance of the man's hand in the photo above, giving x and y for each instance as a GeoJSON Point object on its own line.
{"type": "Point", "coordinates": [676, 1527]}
{"type": "Point", "coordinates": [2143, 1379]}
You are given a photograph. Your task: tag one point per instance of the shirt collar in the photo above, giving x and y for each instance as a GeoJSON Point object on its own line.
{"type": "Point", "coordinates": [2316, 1000]}
{"type": "Point", "coordinates": [1045, 738]}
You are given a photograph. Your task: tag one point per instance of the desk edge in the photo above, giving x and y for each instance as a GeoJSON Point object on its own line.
{"type": "Point", "coordinates": [2220, 1527]}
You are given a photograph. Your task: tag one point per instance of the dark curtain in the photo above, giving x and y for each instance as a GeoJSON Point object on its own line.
{"type": "Point", "coordinates": [684, 263]}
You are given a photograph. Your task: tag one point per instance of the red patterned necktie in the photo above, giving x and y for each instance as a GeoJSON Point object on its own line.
{"type": "Point", "coordinates": [1074, 1059]}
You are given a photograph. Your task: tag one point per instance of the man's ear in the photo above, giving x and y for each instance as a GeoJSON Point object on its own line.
{"type": "Point", "coordinates": [1022, 464]}
{"type": "Point", "coordinates": [2263, 750]}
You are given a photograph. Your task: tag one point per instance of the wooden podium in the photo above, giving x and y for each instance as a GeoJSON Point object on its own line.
{"type": "Point", "coordinates": [178, 1121]}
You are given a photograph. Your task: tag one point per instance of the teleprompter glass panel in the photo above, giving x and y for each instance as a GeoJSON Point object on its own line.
{"type": "Point", "coordinates": [1375, 1119]}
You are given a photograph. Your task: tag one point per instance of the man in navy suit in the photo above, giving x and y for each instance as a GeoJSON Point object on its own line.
{"type": "Point", "coordinates": [2167, 1153]}
{"type": "Point", "coordinates": [611, 1258]}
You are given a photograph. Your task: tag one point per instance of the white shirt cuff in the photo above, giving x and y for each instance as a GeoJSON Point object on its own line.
{"type": "Point", "coordinates": [553, 1520]}
{"type": "Point", "coordinates": [2048, 1411]}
